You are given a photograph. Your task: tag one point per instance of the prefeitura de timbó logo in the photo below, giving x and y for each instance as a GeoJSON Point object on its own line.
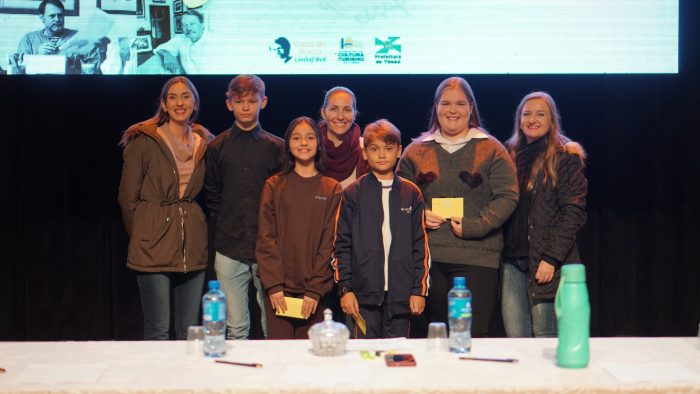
{"type": "Point", "coordinates": [390, 51]}
{"type": "Point", "coordinates": [350, 51]}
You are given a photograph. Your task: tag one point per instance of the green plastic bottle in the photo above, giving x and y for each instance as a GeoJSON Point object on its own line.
{"type": "Point", "coordinates": [573, 317]}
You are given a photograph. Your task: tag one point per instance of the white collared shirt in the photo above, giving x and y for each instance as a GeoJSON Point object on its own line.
{"type": "Point", "coordinates": [453, 146]}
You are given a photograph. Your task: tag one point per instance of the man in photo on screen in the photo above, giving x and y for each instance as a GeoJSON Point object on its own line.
{"type": "Point", "coordinates": [185, 53]}
{"type": "Point", "coordinates": [48, 40]}
{"type": "Point", "coordinates": [56, 39]}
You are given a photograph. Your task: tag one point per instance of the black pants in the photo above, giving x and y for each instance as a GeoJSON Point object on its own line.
{"type": "Point", "coordinates": [381, 323]}
{"type": "Point", "coordinates": [481, 281]}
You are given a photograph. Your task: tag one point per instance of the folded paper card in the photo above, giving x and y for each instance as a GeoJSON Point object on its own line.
{"type": "Point", "coordinates": [448, 207]}
{"type": "Point", "coordinates": [293, 308]}
{"type": "Point", "coordinates": [361, 324]}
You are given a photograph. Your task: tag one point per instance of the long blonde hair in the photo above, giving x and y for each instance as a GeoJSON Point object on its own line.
{"type": "Point", "coordinates": [554, 141]}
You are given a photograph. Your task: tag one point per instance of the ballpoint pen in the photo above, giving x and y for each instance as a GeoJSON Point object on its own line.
{"type": "Point", "coordinates": [253, 365]}
{"type": "Point", "coordinates": [497, 360]}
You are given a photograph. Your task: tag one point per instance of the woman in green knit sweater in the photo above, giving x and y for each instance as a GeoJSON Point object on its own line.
{"type": "Point", "coordinates": [456, 158]}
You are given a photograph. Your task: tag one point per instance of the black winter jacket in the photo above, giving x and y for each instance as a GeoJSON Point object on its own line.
{"type": "Point", "coordinates": [555, 217]}
{"type": "Point", "coordinates": [358, 257]}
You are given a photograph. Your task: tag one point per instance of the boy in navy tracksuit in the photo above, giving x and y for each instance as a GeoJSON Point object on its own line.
{"type": "Point", "coordinates": [381, 257]}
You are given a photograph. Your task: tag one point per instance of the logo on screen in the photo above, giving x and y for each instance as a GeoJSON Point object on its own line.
{"type": "Point", "coordinates": [388, 45]}
{"type": "Point", "coordinates": [347, 43]}
{"type": "Point", "coordinates": [350, 51]}
{"type": "Point", "coordinates": [389, 51]}
{"type": "Point", "coordinates": [311, 51]}
{"type": "Point", "coordinates": [281, 48]}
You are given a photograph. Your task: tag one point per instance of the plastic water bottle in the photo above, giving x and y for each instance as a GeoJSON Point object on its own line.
{"type": "Point", "coordinates": [459, 311]}
{"type": "Point", "coordinates": [214, 319]}
{"type": "Point", "coordinates": [573, 317]}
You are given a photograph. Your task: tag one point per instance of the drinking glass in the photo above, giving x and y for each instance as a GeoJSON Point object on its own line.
{"type": "Point", "coordinates": [437, 337]}
{"type": "Point", "coordinates": [195, 341]}
{"type": "Point", "coordinates": [88, 66]}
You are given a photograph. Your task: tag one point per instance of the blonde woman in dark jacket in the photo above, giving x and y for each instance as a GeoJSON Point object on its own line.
{"type": "Point", "coordinates": [162, 175]}
{"type": "Point", "coordinates": [540, 235]}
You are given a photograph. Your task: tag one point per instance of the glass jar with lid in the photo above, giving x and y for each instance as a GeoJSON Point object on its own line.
{"type": "Point", "coordinates": [328, 338]}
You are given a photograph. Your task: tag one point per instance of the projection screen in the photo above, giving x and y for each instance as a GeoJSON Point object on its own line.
{"type": "Point", "coordinates": [131, 37]}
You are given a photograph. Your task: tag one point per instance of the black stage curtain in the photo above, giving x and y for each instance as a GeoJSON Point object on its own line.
{"type": "Point", "coordinates": [62, 254]}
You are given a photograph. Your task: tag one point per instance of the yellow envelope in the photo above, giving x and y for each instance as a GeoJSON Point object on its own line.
{"type": "Point", "coordinates": [448, 207]}
{"type": "Point", "coordinates": [293, 308]}
{"type": "Point", "coordinates": [361, 324]}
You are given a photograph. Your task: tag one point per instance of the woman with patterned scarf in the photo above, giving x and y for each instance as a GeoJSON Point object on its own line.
{"type": "Point", "coordinates": [341, 136]}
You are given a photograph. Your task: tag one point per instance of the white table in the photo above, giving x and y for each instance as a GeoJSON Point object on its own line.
{"type": "Point", "coordinates": [617, 365]}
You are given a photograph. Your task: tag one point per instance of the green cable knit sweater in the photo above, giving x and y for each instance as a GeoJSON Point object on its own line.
{"type": "Point", "coordinates": [483, 174]}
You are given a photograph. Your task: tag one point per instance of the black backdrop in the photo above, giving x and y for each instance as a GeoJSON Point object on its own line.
{"type": "Point", "coordinates": [62, 245]}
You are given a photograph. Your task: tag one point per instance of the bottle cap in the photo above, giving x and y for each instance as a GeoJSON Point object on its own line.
{"type": "Point", "coordinates": [214, 285]}
{"type": "Point", "coordinates": [574, 273]}
{"type": "Point", "coordinates": [460, 281]}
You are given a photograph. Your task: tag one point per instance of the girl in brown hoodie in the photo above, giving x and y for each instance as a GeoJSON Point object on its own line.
{"type": "Point", "coordinates": [296, 224]}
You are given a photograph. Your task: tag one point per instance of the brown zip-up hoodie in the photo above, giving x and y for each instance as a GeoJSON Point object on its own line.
{"type": "Point", "coordinates": [166, 233]}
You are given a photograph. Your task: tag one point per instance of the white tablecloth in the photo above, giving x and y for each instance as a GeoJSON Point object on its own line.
{"type": "Point", "coordinates": [617, 365]}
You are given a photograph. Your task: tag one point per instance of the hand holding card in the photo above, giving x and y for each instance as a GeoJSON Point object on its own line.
{"type": "Point", "coordinates": [448, 207]}
{"type": "Point", "coordinates": [361, 324]}
{"type": "Point", "coordinates": [293, 308]}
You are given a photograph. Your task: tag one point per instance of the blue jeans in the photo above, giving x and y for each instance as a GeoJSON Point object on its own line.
{"type": "Point", "coordinates": [235, 276]}
{"type": "Point", "coordinates": [523, 316]}
{"type": "Point", "coordinates": [155, 289]}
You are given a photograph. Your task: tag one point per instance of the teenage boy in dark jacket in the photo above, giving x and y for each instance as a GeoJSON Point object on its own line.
{"type": "Point", "coordinates": [381, 257]}
{"type": "Point", "coordinates": [239, 160]}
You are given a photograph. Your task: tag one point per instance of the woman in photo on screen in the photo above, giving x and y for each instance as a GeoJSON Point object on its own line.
{"type": "Point", "coordinates": [296, 226]}
{"type": "Point", "coordinates": [162, 174]}
{"type": "Point", "coordinates": [540, 235]}
{"type": "Point", "coordinates": [342, 136]}
{"type": "Point", "coordinates": [457, 158]}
